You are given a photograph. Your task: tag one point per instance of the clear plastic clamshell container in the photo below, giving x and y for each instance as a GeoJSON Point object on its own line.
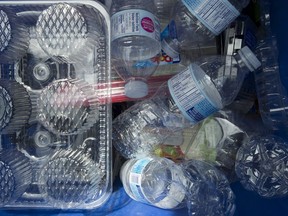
{"type": "Point", "coordinates": [55, 110]}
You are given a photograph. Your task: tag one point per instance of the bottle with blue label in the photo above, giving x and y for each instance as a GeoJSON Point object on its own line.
{"type": "Point", "coordinates": [154, 181]}
{"type": "Point", "coordinates": [190, 96]}
{"type": "Point", "coordinates": [196, 22]}
{"type": "Point", "coordinates": [135, 43]}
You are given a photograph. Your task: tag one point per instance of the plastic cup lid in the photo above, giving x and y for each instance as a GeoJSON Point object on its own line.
{"type": "Point", "coordinates": [136, 89]}
{"type": "Point", "coordinates": [249, 58]}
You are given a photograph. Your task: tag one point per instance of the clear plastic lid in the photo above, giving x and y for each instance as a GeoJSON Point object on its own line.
{"type": "Point", "coordinates": [55, 108]}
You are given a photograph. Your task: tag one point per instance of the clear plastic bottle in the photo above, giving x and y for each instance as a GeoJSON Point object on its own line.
{"type": "Point", "coordinates": [208, 190]}
{"type": "Point", "coordinates": [186, 99]}
{"type": "Point", "coordinates": [135, 74]}
{"type": "Point", "coordinates": [261, 165]}
{"type": "Point", "coordinates": [139, 39]}
{"type": "Point", "coordinates": [164, 8]}
{"type": "Point", "coordinates": [271, 91]}
{"type": "Point", "coordinates": [194, 22]}
{"type": "Point", "coordinates": [155, 181]}
{"type": "Point", "coordinates": [135, 43]}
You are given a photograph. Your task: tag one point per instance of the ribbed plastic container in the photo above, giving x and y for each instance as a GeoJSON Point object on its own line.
{"type": "Point", "coordinates": [55, 108]}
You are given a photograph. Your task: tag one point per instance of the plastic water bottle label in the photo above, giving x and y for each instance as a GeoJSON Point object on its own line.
{"type": "Point", "coordinates": [169, 31]}
{"type": "Point", "coordinates": [135, 179]}
{"type": "Point", "coordinates": [135, 23]}
{"type": "Point", "coordinates": [189, 97]}
{"type": "Point", "coordinates": [216, 15]}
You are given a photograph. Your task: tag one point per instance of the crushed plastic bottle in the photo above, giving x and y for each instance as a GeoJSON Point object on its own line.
{"type": "Point", "coordinates": [271, 89]}
{"type": "Point", "coordinates": [186, 99]}
{"type": "Point", "coordinates": [208, 190]}
{"type": "Point", "coordinates": [261, 165]}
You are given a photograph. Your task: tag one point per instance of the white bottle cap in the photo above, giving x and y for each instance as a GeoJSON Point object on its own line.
{"type": "Point", "coordinates": [168, 49]}
{"type": "Point", "coordinates": [136, 89]}
{"type": "Point", "coordinates": [249, 58]}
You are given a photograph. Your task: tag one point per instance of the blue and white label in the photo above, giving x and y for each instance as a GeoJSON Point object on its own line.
{"type": "Point", "coordinates": [190, 98]}
{"type": "Point", "coordinates": [170, 31]}
{"type": "Point", "coordinates": [216, 15]}
{"type": "Point", "coordinates": [135, 22]}
{"type": "Point", "coordinates": [135, 179]}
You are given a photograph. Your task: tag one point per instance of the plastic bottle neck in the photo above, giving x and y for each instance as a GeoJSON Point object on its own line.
{"type": "Point", "coordinates": [247, 60]}
{"type": "Point", "coordinates": [171, 47]}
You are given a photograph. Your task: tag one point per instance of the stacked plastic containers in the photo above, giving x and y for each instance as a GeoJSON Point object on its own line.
{"type": "Point", "coordinates": [55, 111]}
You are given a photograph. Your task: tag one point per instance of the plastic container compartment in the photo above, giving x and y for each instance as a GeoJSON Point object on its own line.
{"type": "Point", "coordinates": [55, 109]}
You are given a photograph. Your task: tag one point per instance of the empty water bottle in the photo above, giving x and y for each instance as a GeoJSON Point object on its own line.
{"type": "Point", "coordinates": [261, 165]}
{"type": "Point", "coordinates": [15, 106]}
{"type": "Point", "coordinates": [271, 87]}
{"type": "Point", "coordinates": [155, 181]}
{"type": "Point", "coordinates": [187, 98]}
{"type": "Point", "coordinates": [208, 190]}
{"type": "Point", "coordinates": [163, 10]}
{"type": "Point", "coordinates": [195, 22]}
{"type": "Point", "coordinates": [135, 42]}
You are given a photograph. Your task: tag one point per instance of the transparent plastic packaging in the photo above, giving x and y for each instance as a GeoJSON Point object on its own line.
{"type": "Point", "coordinates": [215, 140]}
{"type": "Point", "coordinates": [200, 90]}
{"type": "Point", "coordinates": [194, 23]}
{"type": "Point", "coordinates": [55, 108]}
{"type": "Point", "coordinates": [135, 43]}
{"type": "Point", "coordinates": [270, 82]}
{"type": "Point", "coordinates": [155, 181]}
{"type": "Point", "coordinates": [208, 190]}
{"type": "Point", "coordinates": [261, 165]}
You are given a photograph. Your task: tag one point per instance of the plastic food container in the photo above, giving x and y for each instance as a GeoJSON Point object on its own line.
{"type": "Point", "coordinates": [55, 109]}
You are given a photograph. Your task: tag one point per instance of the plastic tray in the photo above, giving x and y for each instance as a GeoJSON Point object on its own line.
{"type": "Point", "coordinates": [55, 109]}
